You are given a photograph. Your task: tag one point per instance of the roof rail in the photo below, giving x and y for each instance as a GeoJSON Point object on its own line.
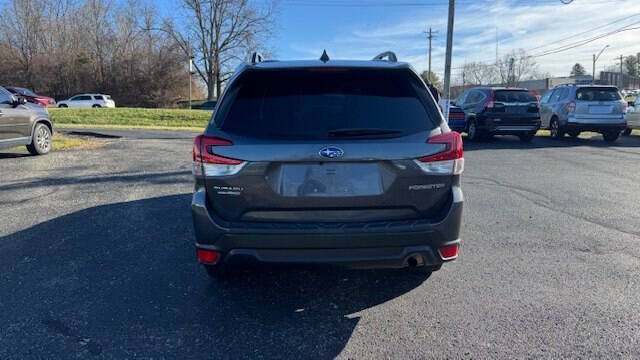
{"type": "Point", "coordinates": [256, 58]}
{"type": "Point", "coordinates": [386, 56]}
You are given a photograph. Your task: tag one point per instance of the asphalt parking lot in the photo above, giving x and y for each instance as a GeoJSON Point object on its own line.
{"type": "Point", "coordinates": [96, 260]}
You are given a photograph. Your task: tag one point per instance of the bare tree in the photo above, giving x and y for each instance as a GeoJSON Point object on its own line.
{"type": "Point", "coordinates": [477, 73]}
{"type": "Point", "coordinates": [63, 47]}
{"type": "Point", "coordinates": [21, 27]}
{"type": "Point", "coordinates": [515, 67]}
{"type": "Point", "coordinates": [219, 34]}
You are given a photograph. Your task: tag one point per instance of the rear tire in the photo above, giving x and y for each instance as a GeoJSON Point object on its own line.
{"type": "Point", "coordinates": [556, 131]}
{"type": "Point", "coordinates": [472, 131]}
{"type": "Point", "coordinates": [96, 106]}
{"type": "Point", "coordinates": [626, 132]}
{"type": "Point", "coordinates": [611, 136]}
{"type": "Point", "coordinates": [40, 140]}
{"type": "Point", "coordinates": [63, 106]}
{"type": "Point", "coordinates": [574, 133]}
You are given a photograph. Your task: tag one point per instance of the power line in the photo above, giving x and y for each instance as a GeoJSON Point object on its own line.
{"type": "Point", "coordinates": [584, 32]}
{"type": "Point", "coordinates": [578, 43]}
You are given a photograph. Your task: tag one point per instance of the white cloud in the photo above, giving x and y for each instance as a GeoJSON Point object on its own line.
{"type": "Point", "coordinates": [520, 25]}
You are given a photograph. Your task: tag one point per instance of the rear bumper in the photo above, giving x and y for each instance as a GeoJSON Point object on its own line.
{"type": "Point", "coordinates": [595, 127]}
{"type": "Point", "coordinates": [360, 245]}
{"type": "Point", "coordinates": [511, 125]}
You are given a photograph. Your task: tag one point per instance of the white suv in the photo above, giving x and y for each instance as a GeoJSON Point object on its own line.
{"type": "Point", "coordinates": [88, 100]}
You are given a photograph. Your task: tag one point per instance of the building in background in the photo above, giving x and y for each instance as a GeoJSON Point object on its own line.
{"type": "Point", "coordinates": [625, 82]}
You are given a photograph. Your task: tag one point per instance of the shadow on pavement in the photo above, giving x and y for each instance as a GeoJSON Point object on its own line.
{"type": "Point", "coordinates": [121, 280]}
{"type": "Point", "coordinates": [512, 142]}
{"type": "Point", "coordinates": [11, 155]}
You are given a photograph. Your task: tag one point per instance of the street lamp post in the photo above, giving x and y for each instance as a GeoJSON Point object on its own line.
{"type": "Point", "coordinates": [595, 58]}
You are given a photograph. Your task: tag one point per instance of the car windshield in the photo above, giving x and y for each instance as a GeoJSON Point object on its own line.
{"type": "Point", "coordinates": [598, 94]}
{"type": "Point", "coordinates": [311, 103]}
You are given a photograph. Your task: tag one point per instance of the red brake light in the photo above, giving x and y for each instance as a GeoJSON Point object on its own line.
{"type": "Point", "coordinates": [489, 103]}
{"type": "Point", "coordinates": [203, 151]}
{"type": "Point", "coordinates": [207, 163]}
{"type": "Point", "coordinates": [450, 161]}
{"type": "Point", "coordinates": [453, 151]}
{"type": "Point", "coordinates": [448, 252]}
{"type": "Point", "coordinates": [208, 257]}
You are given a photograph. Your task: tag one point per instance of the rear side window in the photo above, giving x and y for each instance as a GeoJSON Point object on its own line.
{"type": "Point", "coordinates": [311, 103]}
{"type": "Point", "coordinates": [511, 96]}
{"type": "Point", "coordinates": [98, 97]}
{"type": "Point", "coordinates": [5, 98]}
{"type": "Point", "coordinates": [597, 94]}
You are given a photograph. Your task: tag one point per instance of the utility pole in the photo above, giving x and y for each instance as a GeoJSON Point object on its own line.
{"type": "Point", "coordinates": [638, 72]}
{"type": "Point", "coordinates": [496, 46]}
{"type": "Point", "coordinates": [511, 77]}
{"type": "Point", "coordinates": [431, 35]}
{"type": "Point", "coordinates": [447, 62]}
{"type": "Point", "coordinates": [621, 79]}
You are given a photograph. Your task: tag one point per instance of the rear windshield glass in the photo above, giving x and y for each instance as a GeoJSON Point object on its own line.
{"type": "Point", "coordinates": [597, 94]}
{"type": "Point", "coordinates": [312, 103]}
{"type": "Point", "coordinates": [513, 96]}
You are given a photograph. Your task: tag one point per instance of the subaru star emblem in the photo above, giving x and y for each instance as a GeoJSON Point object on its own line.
{"type": "Point", "coordinates": [331, 152]}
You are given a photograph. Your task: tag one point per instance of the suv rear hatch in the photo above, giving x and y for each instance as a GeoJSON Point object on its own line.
{"type": "Point", "coordinates": [513, 107]}
{"type": "Point", "coordinates": [316, 145]}
{"type": "Point", "coordinates": [598, 104]}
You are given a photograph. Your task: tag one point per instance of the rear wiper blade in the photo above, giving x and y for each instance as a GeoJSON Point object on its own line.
{"type": "Point", "coordinates": [363, 132]}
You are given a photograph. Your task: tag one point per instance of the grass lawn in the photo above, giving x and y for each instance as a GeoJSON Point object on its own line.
{"type": "Point", "coordinates": [132, 118]}
{"type": "Point", "coordinates": [62, 142]}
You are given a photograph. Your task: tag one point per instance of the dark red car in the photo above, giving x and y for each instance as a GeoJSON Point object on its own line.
{"type": "Point", "coordinates": [31, 97]}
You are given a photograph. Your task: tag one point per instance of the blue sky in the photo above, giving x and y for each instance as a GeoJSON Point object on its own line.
{"type": "Point", "coordinates": [361, 28]}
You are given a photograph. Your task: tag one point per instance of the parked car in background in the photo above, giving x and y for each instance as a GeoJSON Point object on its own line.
{"type": "Point", "coordinates": [24, 123]}
{"type": "Point", "coordinates": [88, 101]}
{"type": "Point", "coordinates": [32, 97]}
{"type": "Point", "coordinates": [499, 111]}
{"type": "Point", "coordinates": [457, 120]}
{"type": "Point", "coordinates": [632, 117]}
{"type": "Point", "coordinates": [571, 109]}
{"type": "Point", "coordinates": [207, 105]}
{"type": "Point", "coordinates": [335, 162]}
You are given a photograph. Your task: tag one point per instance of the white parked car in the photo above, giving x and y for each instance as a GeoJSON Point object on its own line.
{"type": "Point", "coordinates": [632, 117]}
{"type": "Point", "coordinates": [88, 101]}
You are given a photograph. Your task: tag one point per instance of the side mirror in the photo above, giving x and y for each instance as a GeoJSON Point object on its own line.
{"type": "Point", "coordinates": [20, 100]}
{"type": "Point", "coordinates": [631, 103]}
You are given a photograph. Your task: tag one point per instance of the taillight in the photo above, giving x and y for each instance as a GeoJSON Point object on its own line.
{"type": "Point", "coordinates": [490, 104]}
{"type": "Point", "coordinates": [570, 106]}
{"type": "Point", "coordinates": [450, 161]}
{"type": "Point", "coordinates": [208, 257]}
{"type": "Point", "coordinates": [207, 163]}
{"type": "Point", "coordinates": [448, 252]}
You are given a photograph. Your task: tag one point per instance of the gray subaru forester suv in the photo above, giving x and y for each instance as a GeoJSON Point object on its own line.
{"type": "Point", "coordinates": [327, 162]}
{"type": "Point", "coordinates": [23, 123]}
{"type": "Point", "coordinates": [571, 109]}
